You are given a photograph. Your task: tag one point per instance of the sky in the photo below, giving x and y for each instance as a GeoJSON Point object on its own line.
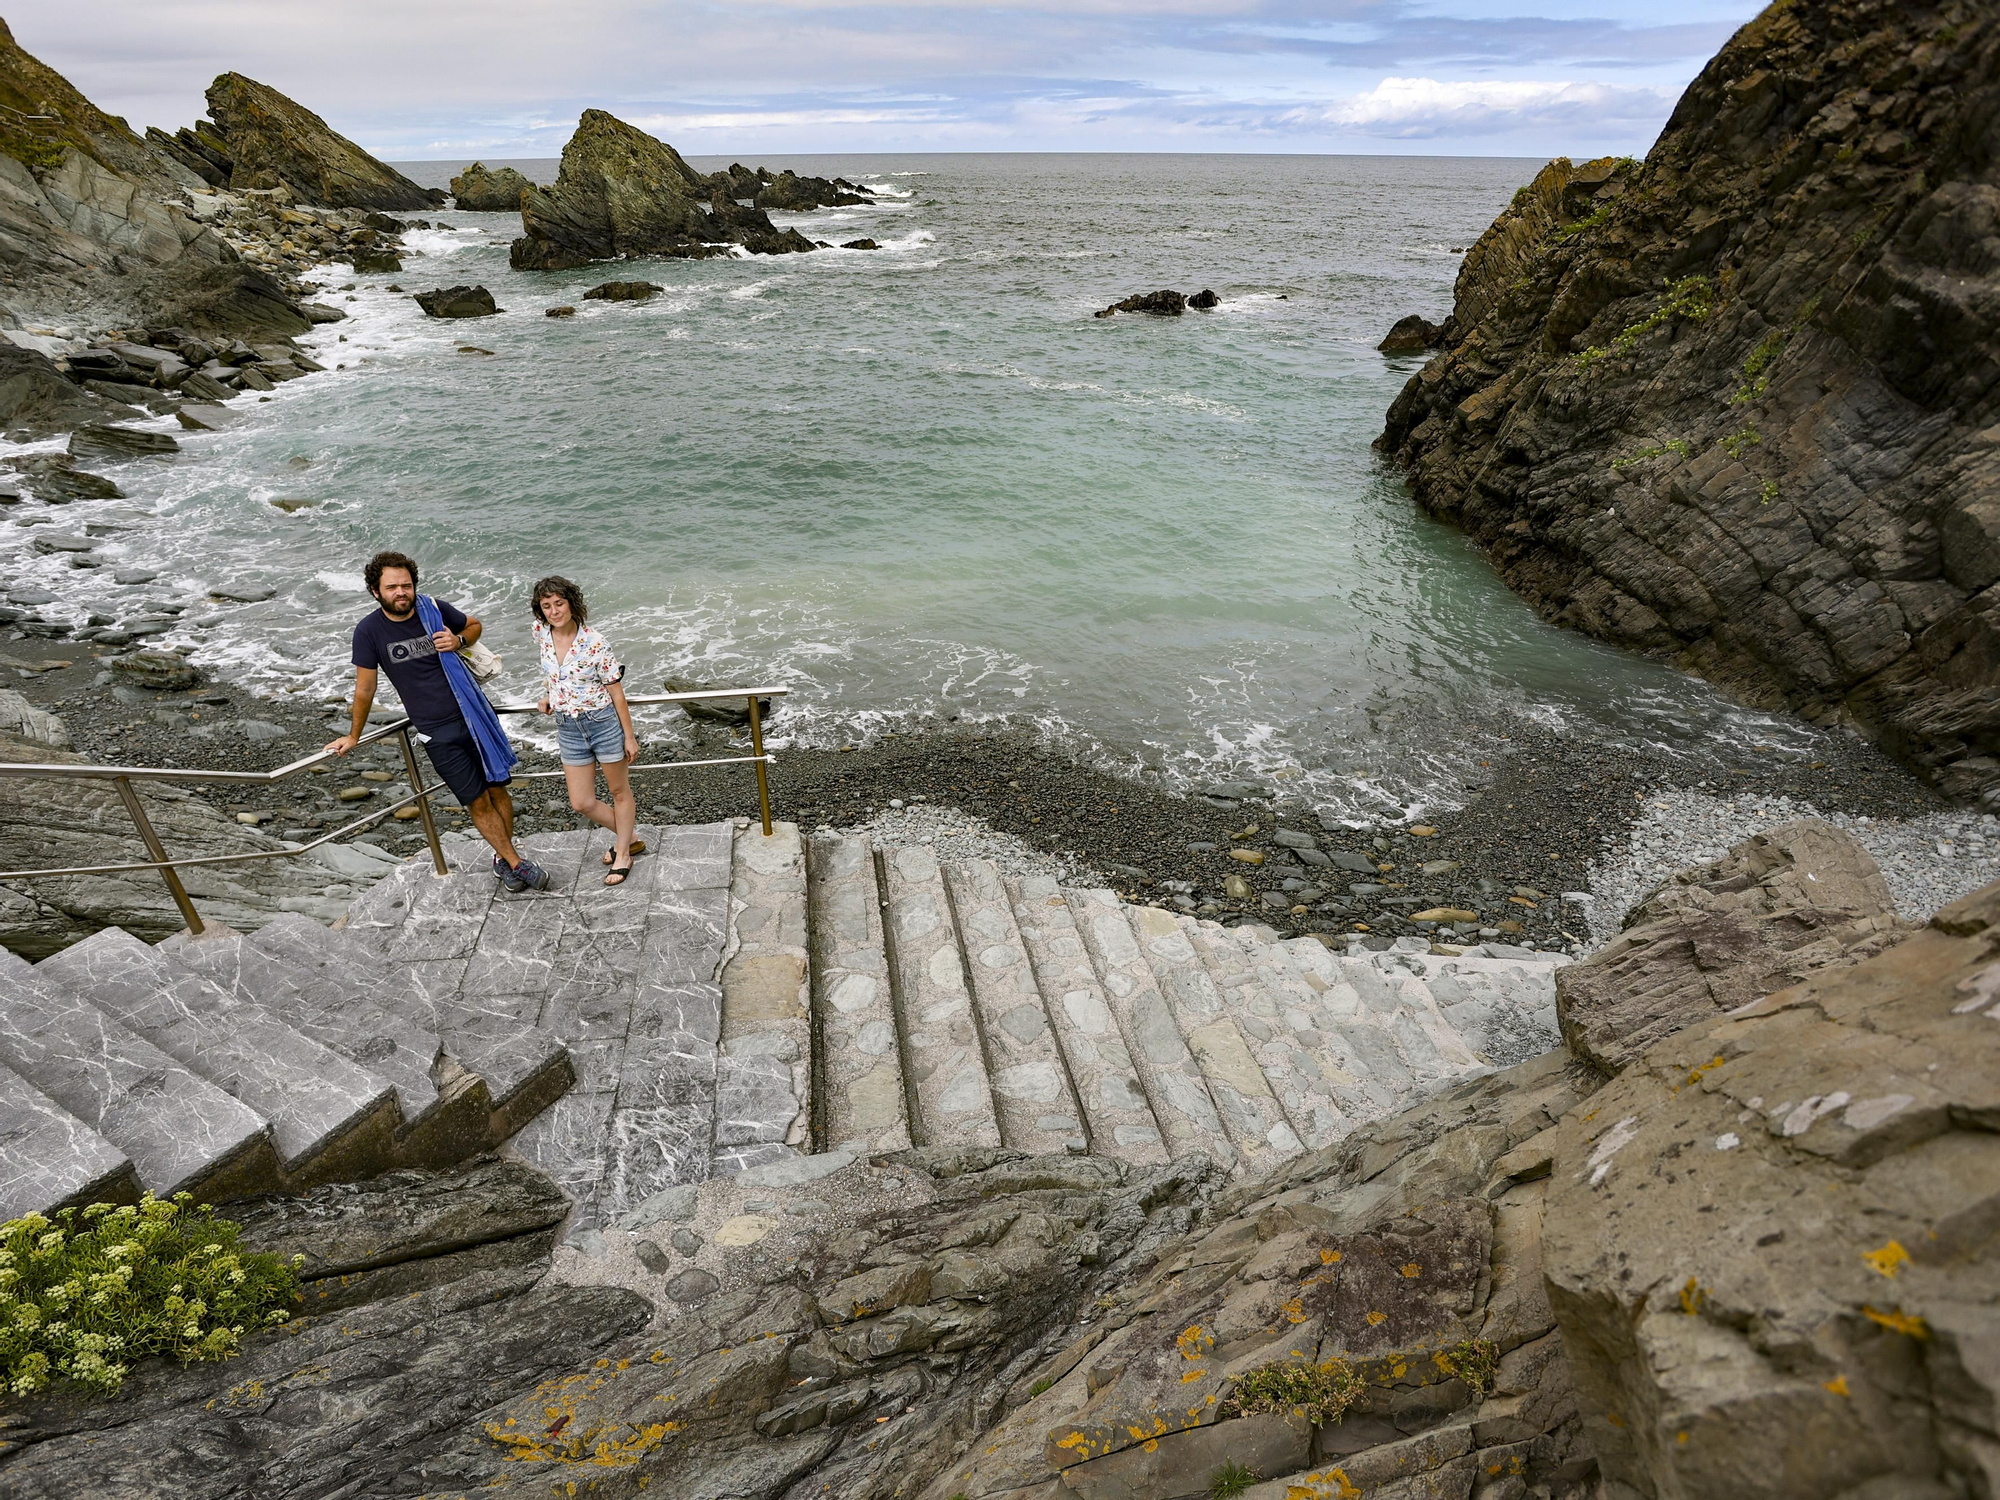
{"type": "Point", "coordinates": [454, 79]}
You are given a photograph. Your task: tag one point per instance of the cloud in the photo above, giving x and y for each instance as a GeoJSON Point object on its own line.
{"type": "Point", "coordinates": [1407, 109]}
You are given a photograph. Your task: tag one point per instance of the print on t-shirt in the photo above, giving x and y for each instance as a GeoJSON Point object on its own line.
{"type": "Point", "coordinates": [423, 645]}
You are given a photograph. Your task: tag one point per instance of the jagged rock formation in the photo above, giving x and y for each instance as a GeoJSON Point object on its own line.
{"type": "Point", "coordinates": [621, 193]}
{"type": "Point", "coordinates": [1732, 404]}
{"type": "Point", "coordinates": [270, 139]}
{"type": "Point", "coordinates": [1776, 908]}
{"type": "Point", "coordinates": [479, 190]}
{"type": "Point", "coordinates": [42, 116]}
{"type": "Point", "coordinates": [789, 192]}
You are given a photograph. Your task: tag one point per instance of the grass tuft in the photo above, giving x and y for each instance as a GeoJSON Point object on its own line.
{"type": "Point", "coordinates": [1321, 1393]}
{"type": "Point", "coordinates": [1231, 1480]}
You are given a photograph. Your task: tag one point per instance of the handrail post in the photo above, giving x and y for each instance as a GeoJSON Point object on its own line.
{"type": "Point", "coordinates": [159, 852]}
{"type": "Point", "coordinates": [757, 749]}
{"type": "Point", "coordinates": [423, 800]}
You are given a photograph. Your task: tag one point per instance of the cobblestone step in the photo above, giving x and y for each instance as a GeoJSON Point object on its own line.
{"type": "Point", "coordinates": [1118, 1118]}
{"type": "Point", "coordinates": [1034, 1099]}
{"type": "Point", "coordinates": [947, 1073]}
{"type": "Point", "coordinates": [858, 1085]}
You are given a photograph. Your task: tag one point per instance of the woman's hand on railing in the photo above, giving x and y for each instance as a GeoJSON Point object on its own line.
{"type": "Point", "coordinates": [543, 706]}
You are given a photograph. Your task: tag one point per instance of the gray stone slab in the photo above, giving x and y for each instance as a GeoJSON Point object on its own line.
{"type": "Point", "coordinates": [1174, 1084]}
{"type": "Point", "coordinates": [941, 1045]}
{"type": "Point", "coordinates": [693, 858]}
{"type": "Point", "coordinates": [570, 1142]}
{"type": "Point", "coordinates": [1033, 1100]}
{"type": "Point", "coordinates": [281, 970]}
{"type": "Point", "coordinates": [517, 948]}
{"type": "Point", "coordinates": [686, 933]}
{"type": "Point", "coordinates": [1116, 1110]}
{"type": "Point", "coordinates": [443, 919]}
{"type": "Point", "coordinates": [175, 1127]}
{"type": "Point", "coordinates": [312, 1096]}
{"type": "Point", "coordinates": [860, 1068]}
{"type": "Point", "coordinates": [49, 1159]}
{"type": "Point", "coordinates": [766, 992]}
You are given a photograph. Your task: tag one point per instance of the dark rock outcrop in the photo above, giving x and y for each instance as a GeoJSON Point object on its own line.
{"type": "Point", "coordinates": [265, 132]}
{"type": "Point", "coordinates": [55, 479]}
{"type": "Point", "coordinates": [1166, 304]}
{"type": "Point", "coordinates": [863, 244]}
{"type": "Point", "coordinates": [479, 190]}
{"type": "Point", "coordinates": [789, 192]}
{"type": "Point", "coordinates": [734, 712]}
{"type": "Point", "coordinates": [623, 291]}
{"type": "Point", "coordinates": [1412, 335]}
{"type": "Point", "coordinates": [1204, 300]}
{"type": "Point", "coordinates": [230, 301]}
{"type": "Point", "coordinates": [1776, 908]}
{"type": "Point", "coordinates": [457, 302]}
{"type": "Point", "coordinates": [1733, 405]}
{"type": "Point", "coordinates": [35, 399]}
{"type": "Point", "coordinates": [618, 193]}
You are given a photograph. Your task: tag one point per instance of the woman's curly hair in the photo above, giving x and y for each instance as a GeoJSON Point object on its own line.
{"type": "Point", "coordinates": [562, 588]}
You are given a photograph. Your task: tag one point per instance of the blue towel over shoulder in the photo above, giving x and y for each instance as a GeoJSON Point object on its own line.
{"type": "Point", "coordinates": [495, 753]}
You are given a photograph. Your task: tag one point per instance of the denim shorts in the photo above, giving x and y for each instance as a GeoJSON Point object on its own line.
{"type": "Point", "coordinates": [595, 736]}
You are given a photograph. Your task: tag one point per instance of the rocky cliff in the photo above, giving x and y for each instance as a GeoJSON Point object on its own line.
{"type": "Point", "coordinates": [1736, 404]}
{"type": "Point", "coordinates": [271, 139]}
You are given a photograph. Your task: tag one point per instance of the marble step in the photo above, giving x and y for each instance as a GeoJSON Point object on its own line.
{"type": "Point", "coordinates": [330, 1119]}
{"type": "Point", "coordinates": [1117, 1116]}
{"type": "Point", "coordinates": [858, 1087]}
{"type": "Point", "coordinates": [1281, 1033]}
{"type": "Point", "coordinates": [1034, 1099]}
{"type": "Point", "coordinates": [1251, 1112]}
{"type": "Point", "coordinates": [763, 1086]}
{"type": "Point", "coordinates": [180, 1131]}
{"type": "Point", "coordinates": [49, 1159]}
{"type": "Point", "coordinates": [1173, 1081]}
{"type": "Point", "coordinates": [277, 968]}
{"type": "Point", "coordinates": [940, 1031]}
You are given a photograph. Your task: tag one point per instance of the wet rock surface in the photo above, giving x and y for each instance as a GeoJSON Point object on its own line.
{"type": "Point", "coordinates": [1729, 405]}
{"type": "Point", "coordinates": [619, 193]}
{"type": "Point", "coordinates": [457, 302]}
{"type": "Point", "coordinates": [267, 136]}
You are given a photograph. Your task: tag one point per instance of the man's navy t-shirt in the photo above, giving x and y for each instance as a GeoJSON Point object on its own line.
{"type": "Point", "coordinates": [404, 649]}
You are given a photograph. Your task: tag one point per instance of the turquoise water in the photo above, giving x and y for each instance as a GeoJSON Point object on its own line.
{"type": "Point", "coordinates": [923, 483]}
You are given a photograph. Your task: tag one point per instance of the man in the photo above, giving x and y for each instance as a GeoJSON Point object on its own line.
{"type": "Point", "coordinates": [393, 639]}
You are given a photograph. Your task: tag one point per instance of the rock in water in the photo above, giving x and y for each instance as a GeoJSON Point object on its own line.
{"type": "Point", "coordinates": [1412, 334]}
{"type": "Point", "coordinates": [457, 302]}
{"type": "Point", "coordinates": [266, 132]}
{"type": "Point", "coordinates": [734, 712]}
{"type": "Point", "coordinates": [622, 291]}
{"type": "Point", "coordinates": [99, 440]}
{"type": "Point", "coordinates": [619, 192]}
{"type": "Point", "coordinates": [1203, 300]}
{"type": "Point", "coordinates": [55, 479]}
{"type": "Point", "coordinates": [790, 192]}
{"type": "Point", "coordinates": [1168, 304]}
{"type": "Point", "coordinates": [558, 312]}
{"type": "Point", "coordinates": [478, 190]}
{"type": "Point", "coordinates": [1785, 904]}
{"type": "Point", "coordinates": [370, 259]}
{"type": "Point", "coordinates": [861, 245]}
{"type": "Point", "coordinates": [1660, 375]}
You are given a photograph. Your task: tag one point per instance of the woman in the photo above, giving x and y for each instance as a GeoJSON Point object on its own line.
{"type": "Point", "coordinates": [581, 687]}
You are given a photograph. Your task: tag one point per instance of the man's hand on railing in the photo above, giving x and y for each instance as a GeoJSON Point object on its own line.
{"type": "Point", "coordinates": [342, 745]}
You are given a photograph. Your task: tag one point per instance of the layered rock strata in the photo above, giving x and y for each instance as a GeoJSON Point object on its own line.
{"type": "Point", "coordinates": [1734, 404]}
{"type": "Point", "coordinates": [266, 135]}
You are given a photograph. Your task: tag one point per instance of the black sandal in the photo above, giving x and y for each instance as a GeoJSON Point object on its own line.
{"type": "Point", "coordinates": [638, 848]}
{"type": "Point", "coordinates": [618, 875]}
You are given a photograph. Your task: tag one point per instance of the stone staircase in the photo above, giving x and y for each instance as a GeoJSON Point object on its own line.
{"type": "Point", "coordinates": [740, 1000]}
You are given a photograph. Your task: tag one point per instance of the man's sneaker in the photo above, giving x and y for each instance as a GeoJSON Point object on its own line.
{"type": "Point", "coordinates": [505, 875]}
{"type": "Point", "coordinates": [532, 877]}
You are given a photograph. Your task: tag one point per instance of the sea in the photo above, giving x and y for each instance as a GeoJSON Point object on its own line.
{"type": "Point", "coordinates": [922, 485]}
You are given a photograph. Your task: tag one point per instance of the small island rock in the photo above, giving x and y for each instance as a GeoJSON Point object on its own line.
{"type": "Point", "coordinates": [457, 302]}
{"type": "Point", "coordinates": [478, 190]}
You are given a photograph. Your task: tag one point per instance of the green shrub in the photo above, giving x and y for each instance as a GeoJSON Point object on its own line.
{"type": "Point", "coordinates": [1475, 1361]}
{"type": "Point", "coordinates": [1768, 493]}
{"type": "Point", "coordinates": [1231, 1480]}
{"type": "Point", "coordinates": [1736, 442]}
{"type": "Point", "coordinates": [1692, 299]}
{"type": "Point", "coordinates": [1321, 1393]}
{"type": "Point", "coordinates": [1583, 226]}
{"type": "Point", "coordinates": [85, 1294]}
{"type": "Point", "coordinates": [1676, 446]}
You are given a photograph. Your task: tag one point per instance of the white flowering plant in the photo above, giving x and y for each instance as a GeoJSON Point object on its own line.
{"type": "Point", "coordinates": [88, 1291]}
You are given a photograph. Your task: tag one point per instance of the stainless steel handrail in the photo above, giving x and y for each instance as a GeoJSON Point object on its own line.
{"type": "Point", "coordinates": [124, 776]}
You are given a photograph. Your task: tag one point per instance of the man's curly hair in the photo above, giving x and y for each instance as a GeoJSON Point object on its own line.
{"type": "Point", "coordinates": [563, 589]}
{"type": "Point", "coordinates": [372, 574]}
